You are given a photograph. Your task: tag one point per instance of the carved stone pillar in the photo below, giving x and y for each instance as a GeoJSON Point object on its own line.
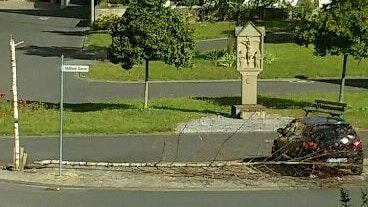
{"type": "Point", "coordinates": [249, 49]}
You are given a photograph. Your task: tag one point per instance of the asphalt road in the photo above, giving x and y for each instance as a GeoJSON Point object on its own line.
{"type": "Point", "coordinates": [49, 34]}
{"type": "Point", "coordinates": [148, 148]}
{"type": "Point", "coordinates": [144, 148]}
{"type": "Point", "coordinates": [14, 195]}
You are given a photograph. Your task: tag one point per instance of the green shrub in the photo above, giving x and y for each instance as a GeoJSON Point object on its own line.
{"type": "Point", "coordinates": [189, 2]}
{"type": "Point", "coordinates": [211, 55]}
{"type": "Point", "coordinates": [269, 58]}
{"type": "Point", "coordinates": [105, 22]}
{"type": "Point", "coordinates": [227, 60]}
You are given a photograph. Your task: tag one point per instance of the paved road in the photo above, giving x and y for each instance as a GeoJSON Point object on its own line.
{"type": "Point", "coordinates": [147, 148]}
{"type": "Point", "coordinates": [144, 148]}
{"type": "Point", "coordinates": [48, 34]}
{"type": "Point", "coordinates": [14, 195]}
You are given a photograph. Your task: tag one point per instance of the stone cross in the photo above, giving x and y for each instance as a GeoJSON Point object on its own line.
{"type": "Point", "coordinates": [249, 48]}
{"type": "Point", "coordinates": [249, 52]}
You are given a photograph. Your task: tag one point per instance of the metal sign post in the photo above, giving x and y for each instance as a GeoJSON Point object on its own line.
{"type": "Point", "coordinates": [61, 115]}
{"type": "Point", "coordinates": [66, 69]}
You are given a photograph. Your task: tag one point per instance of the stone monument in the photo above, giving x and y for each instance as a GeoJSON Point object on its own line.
{"type": "Point", "coordinates": [249, 52]}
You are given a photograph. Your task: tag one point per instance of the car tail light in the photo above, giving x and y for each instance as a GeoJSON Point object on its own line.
{"type": "Point", "coordinates": [358, 144]}
{"type": "Point", "coordinates": [310, 145]}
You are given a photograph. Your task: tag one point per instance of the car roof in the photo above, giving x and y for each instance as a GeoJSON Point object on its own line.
{"type": "Point", "coordinates": [320, 120]}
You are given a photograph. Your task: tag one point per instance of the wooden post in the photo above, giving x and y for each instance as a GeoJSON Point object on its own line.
{"type": "Point", "coordinates": [146, 87]}
{"type": "Point", "coordinates": [343, 79]}
{"type": "Point", "coordinates": [16, 156]}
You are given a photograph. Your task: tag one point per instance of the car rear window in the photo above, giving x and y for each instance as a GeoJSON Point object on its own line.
{"type": "Point", "coordinates": [328, 132]}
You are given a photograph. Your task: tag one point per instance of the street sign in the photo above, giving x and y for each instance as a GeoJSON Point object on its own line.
{"type": "Point", "coordinates": [75, 68]}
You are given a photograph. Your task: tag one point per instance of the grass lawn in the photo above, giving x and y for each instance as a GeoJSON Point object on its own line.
{"type": "Point", "coordinates": [293, 60]}
{"type": "Point", "coordinates": [97, 41]}
{"type": "Point", "coordinates": [163, 115]}
{"type": "Point", "coordinates": [202, 30]}
{"type": "Point", "coordinates": [290, 60]}
{"type": "Point", "coordinates": [202, 69]}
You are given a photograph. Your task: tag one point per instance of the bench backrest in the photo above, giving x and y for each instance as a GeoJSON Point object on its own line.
{"type": "Point", "coordinates": [327, 107]}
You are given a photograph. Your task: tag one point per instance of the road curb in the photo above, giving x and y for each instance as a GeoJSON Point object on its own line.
{"type": "Point", "coordinates": [53, 187]}
{"type": "Point", "coordinates": [223, 80]}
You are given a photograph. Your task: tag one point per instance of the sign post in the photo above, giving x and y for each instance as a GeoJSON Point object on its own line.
{"type": "Point", "coordinates": [66, 69]}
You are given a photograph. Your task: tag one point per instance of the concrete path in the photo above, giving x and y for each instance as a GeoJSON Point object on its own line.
{"type": "Point", "coordinates": [16, 195]}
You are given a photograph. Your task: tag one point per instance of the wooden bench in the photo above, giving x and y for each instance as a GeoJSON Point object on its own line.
{"type": "Point", "coordinates": [335, 109]}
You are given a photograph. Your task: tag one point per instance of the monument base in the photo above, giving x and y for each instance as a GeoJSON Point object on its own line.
{"type": "Point", "coordinates": [248, 111]}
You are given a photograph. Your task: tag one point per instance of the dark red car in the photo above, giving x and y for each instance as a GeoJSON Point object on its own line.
{"type": "Point", "coordinates": [320, 139]}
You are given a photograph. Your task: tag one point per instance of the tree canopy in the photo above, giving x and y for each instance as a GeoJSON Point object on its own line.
{"type": "Point", "coordinates": [148, 31]}
{"type": "Point", "coordinates": [339, 28]}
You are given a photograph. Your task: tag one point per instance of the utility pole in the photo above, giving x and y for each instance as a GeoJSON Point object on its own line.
{"type": "Point", "coordinates": [16, 149]}
{"type": "Point", "coordinates": [92, 11]}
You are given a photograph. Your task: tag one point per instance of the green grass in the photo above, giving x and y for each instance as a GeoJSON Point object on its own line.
{"type": "Point", "coordinates": [202, 30]}
{"type": "Point", "coordinates": [293, 60]}
{"type": "Point", "coordinates": [202, 69]}
{"type": "Point", "coordinates": [290, 61]}
{"type": "Point", "coordinates": [97, 42]}
{"type": "Point", "coordinates": [163, 115]}
{"type": "Point", "coordinates": [207, 30]}
{"type": "Point", "coordinates": [107, 118]}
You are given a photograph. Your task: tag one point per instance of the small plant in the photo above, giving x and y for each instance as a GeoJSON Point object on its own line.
{"type": "Point", "coordinates": [269, 58]}
{"type": "Point", "coordinates": [227, 60]}
{"type": "Point", "coordinates": [211, 55]}
{"type": "Point", "coordinates": [345, 198]}
{"type": "Point", "coordinates": [364, 198]}
{"type": "Point", "coordinates": [105, 22]}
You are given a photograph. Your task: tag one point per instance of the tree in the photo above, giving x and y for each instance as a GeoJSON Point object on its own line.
{"type": "Point", "coordinates": [339, 28]}
{"type": "Point", "coordinates": [148, 31]}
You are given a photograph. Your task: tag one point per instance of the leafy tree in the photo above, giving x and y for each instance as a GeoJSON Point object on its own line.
{"type": "Point", "coordinates": [262, 3]}
{"type": "Point", "coordinates": [148, 31]}
{"type": "Point", "coordinates": [339, 28]}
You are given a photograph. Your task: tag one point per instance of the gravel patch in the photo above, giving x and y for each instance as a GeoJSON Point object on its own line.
{"type": "Point", "coordinates": [218, 124]}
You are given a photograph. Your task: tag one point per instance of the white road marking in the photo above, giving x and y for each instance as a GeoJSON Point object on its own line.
{"type": "Point", "coordinates": [44, 18]}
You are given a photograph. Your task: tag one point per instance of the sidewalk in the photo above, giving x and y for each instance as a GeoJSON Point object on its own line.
{"type": "Point", "coordinates": [174, 179]}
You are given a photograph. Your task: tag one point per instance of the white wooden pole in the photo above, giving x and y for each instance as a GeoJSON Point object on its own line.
{"type": "Point", "coordinates": [16, 156]}
{"type": "Point", "coordinates": [92, 11]}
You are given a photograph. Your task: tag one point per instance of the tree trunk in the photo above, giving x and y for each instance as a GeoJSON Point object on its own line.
{"type": "Point", "coordinates": [146, 86]}
{"type": "Point", "coordinates": [343, 79]}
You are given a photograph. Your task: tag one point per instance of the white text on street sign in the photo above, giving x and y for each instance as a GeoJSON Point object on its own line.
{"type": "Point", "coordinates": [75, 68]}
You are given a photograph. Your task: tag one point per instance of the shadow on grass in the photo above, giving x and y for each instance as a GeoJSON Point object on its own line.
{"type": "Point", "coordinates": [269, 102]}
{"type": "Point", "coordinates": [204, 111]}
{"type": "Point", "coordinates": [67, 33]}
{"type": "Point", "coordinates": [84, 107]}
{"type": "Point", "coordinates": [358, 83]}
{"type": "Point", "coordinates": [68, 52]}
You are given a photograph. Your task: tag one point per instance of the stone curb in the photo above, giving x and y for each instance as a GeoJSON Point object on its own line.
{"type": "Point", "coordinates": [223, 80]}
